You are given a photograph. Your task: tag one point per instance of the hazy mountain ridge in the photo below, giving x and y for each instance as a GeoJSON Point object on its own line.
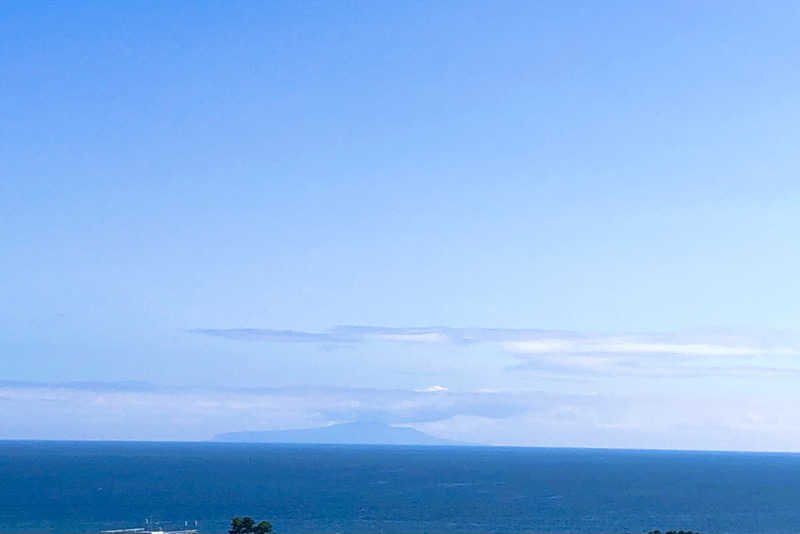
{"type": "Point", "coordinates": [344, 433]}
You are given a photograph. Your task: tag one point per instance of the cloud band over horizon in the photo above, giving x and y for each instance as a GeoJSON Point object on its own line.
{"type": "Point", "coordinates": [569, 352]}
{"type": "Point", "coordinates": [108, 411]}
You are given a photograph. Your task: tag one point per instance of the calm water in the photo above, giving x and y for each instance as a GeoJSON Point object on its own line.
{"type": "Point", "coordinates": [62, 487]}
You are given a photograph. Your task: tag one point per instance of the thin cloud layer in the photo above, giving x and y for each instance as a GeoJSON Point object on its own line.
{"type": "Point", "coordinates": [363, 334]}
{"type": "Point", "coordinates": [532, 341]}
{"type": "Point", "coordinates": [565, 353]}
{"type": "Point", "coordinates": [109, 411]}
{"type": "Point", "coordinates": [121, 411]}
{"type": "Point", "coordinates": [271, 336]}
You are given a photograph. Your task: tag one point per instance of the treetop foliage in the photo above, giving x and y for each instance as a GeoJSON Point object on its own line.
{"type": "Point", "coordinates": [246, 525]}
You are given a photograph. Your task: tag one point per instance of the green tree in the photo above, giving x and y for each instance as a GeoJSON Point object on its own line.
{"type": "Point", "coordinates": [246, 525]}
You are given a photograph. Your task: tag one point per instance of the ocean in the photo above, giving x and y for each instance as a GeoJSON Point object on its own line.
{"type": "Point", "coordinates": [84, 487]}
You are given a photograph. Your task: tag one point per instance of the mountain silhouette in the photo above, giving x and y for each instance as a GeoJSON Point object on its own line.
{"type": "Point", "coordinates": [344, 433]}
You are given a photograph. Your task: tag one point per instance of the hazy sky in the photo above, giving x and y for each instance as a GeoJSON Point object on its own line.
{"type": "Point", "coordinates": [529, 223]}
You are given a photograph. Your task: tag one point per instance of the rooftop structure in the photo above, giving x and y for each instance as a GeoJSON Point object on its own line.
{"type": "Point", "coordinates": [147, 531]}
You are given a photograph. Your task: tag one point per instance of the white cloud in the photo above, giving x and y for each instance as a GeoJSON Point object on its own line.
{"type": "Point", "coordinates": [433, 389]}
{"type": "Point", "coordinates": [533, 341]}
{"type": "Point", "coordinates": [41, 411]}
{"type": "Point", "coordinates": [572, 355]}
{"type": "Point", "coordinates": [640, 346]}
{"type": "Point", "coordinates": [656, 420]}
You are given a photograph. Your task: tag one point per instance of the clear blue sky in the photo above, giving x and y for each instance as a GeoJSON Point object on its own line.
{"type": "Point", "coordinates": [591, 170]}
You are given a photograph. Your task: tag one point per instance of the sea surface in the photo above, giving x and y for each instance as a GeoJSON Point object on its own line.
{"type": "Point", "coordinates": [83, 487]}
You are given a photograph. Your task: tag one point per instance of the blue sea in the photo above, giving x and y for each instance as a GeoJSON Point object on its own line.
{"type": "Point", "coordinates": [83, 487]}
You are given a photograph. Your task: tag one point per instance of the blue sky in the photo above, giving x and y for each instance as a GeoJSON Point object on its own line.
{"type": "Point", "coordinates": [209, 196]}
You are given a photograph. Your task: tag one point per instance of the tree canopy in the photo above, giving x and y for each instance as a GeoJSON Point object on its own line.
{"type": "Point", "coordinates": [246, 525]}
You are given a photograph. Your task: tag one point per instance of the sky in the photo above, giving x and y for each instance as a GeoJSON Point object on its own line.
{"type": "Point", "coordinates": [520, 223]}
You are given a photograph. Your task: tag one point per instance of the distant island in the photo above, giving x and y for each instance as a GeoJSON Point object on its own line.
{"type": "Point", "coordinates": [340, 434]}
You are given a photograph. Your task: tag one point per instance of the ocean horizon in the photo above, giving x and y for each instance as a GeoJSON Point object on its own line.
{"type": "Point", "coordinates": [61, 487]}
